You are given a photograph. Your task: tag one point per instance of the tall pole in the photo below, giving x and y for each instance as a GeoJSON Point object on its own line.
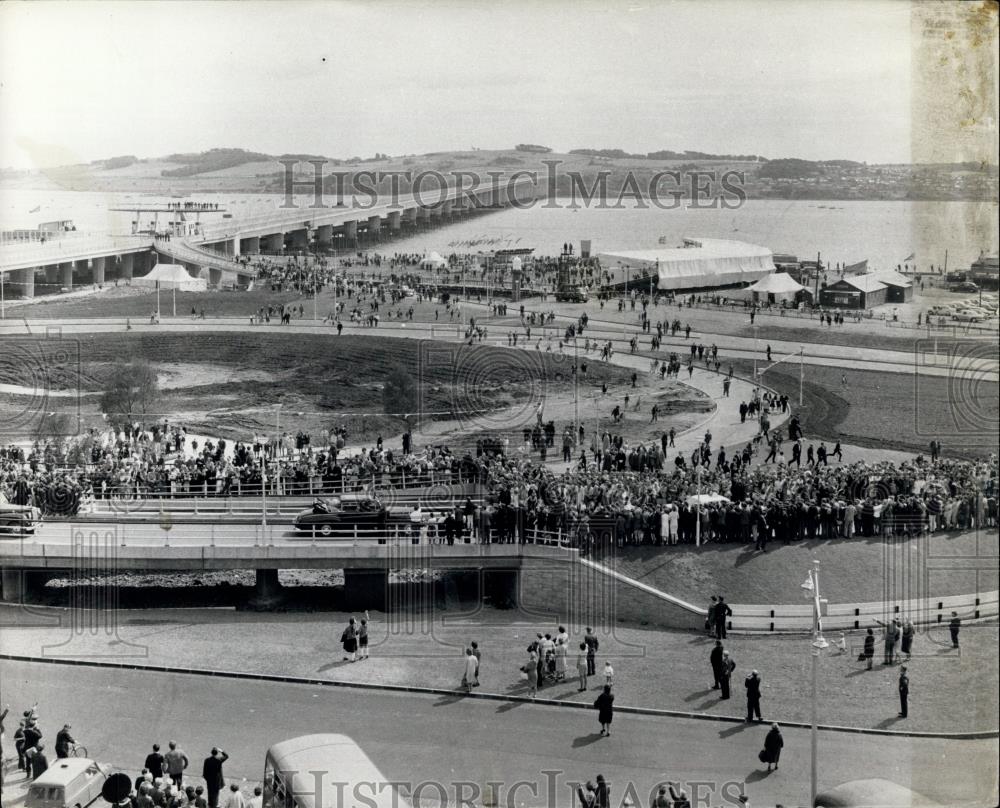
{"type": "Point", "coordinates": [816, 293]}
{"type": "Point", "coordinates": [817, 646]}
{"type": "Point", "coordinates": [802, 372]}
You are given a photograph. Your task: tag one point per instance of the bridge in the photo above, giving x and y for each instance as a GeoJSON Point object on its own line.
{"type": "Point", "coordinates": [208, 249]}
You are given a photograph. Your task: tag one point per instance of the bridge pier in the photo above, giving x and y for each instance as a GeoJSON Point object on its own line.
{"type": "Point", "coordinates": [97, 268]}
{"type": "Point", "coordinates": [268, 591]}
{"type": "Point", "coordinates": [273, 243]}
{"type": "Point", "coordinates": [82, 270]}
{"type": "Point", "coordinates": [125, 267]}
{"type": "Point", "coordinates": [351, 233]}
{"type": "Point", "coordinates": [25, 281]}
{"type": "Point", "coordinates": [395, 219]}
{"type": "Point", "coordinates": [21, 585]}
{"type": "Point", "coordinates": [374, 228]}
{"type": "Point", "coordinates": [66, 275]}
{"type": "Point", "coordinates": [365, 589]}
{"type": "Point", "coordinates": [214, 277]}
{"type": "Point", "coordinates": [410, 217]}
{"type": "Point", "coordinates": [324, 236]}
{"type": "Point", "coordinates": [233, 247]}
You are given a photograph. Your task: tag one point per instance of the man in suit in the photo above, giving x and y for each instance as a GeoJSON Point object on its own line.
{"type": "Point", "coordinates": [753, 696]}
{"type": "Point", "coordinates": [211, 771]}
{"type": "Point", "coordinates": [592, 643]}
{"type": "Point", "coordinates": [728, 666]}
{"type": "Point", "coordinates": [716, 659]}
{"type": "Point", "coordinates": [904, 691]}
{"type": "Point", "coordinates": [722, 611]}
{"type": "Point", "coordinates": [154, 762]}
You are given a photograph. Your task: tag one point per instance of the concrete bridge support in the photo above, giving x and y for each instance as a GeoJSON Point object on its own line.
{"type": "Point", "coordinates": [214, 277]}
{"type": "Point", "coordinates": [324, 237]}
{"type": "Point", "coordinates": [423, 216]}
{"type": "Point", "coordinates": [21, 585]}
{"type": "Point", "coordinates": [273, 243]}
{"type": "Point", "coordinates": [267, 590]}
{"type": "Point", "coordinates": [66, 275]}
{"type": "Point", "coordinates": [24, 280]}
{"type": "Point", "coordinates": [81, 271]}
{"type": "Point", "coordinates": [126, 266]}
{"type": "Point", "coordinates": [395, 220]}
{"type": "Point", "coordinates": [365, 589]}
{"type": "Point", "coordinates": [447, 208]}
{"type": "Point", "coordinates": [351, 233]}
{"type": "Point", "coordinates": [297, 240]}
{"type": "Point", "coordinates": [233, 247]}
{"type": "Point", "coordinates": [374, 228]}
{"type": "Point", "coordinates": [410, 217]}
{"type": "Point", "coordinates": [249, 246]}
{"type": "Point", "coordinates": [97, 267]}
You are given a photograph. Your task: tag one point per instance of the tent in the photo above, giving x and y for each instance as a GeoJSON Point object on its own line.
{"type": "Point", "coordinates": [699, 264]}
{"type": "Point", "coordinates": [776, 288]}
{"type": "Point", "coordinates": [171, 276]}
{"type": "Point", "coordinates": [434, 260]}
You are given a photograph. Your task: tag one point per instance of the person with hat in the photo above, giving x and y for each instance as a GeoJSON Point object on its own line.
{"type": "Point", "coordinates": [64, 740]}
{"type": "Point", "coordinates": [773, 742]}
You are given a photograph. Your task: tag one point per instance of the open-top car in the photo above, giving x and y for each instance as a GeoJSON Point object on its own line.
{"type": "Point", "coordinates": [17, 520]}
{"type": "Point", "coordinates": [343, 513]}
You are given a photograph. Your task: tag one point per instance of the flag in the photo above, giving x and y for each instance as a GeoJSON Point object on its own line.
{"type": "Point", "coordinates": [910, 258]}
{"type": "Point", "coordinates": [35, 209]}
{"type": "Point", "coordinates": [858, 268]}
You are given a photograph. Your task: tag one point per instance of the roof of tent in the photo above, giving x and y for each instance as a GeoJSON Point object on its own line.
{"type": "Point", "coordinates": [892, 278]}
{"type": "Point", "coordinates": [777, 283]}
{"type": "Point", "coordinates": [170, 276]}
{"type": "Point", "coordinates": [699, 263]}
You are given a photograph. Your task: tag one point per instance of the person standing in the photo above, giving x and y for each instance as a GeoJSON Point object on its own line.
{"type": "Point", "coordinates": [479, 660]}
{"type": "Point", "coordinates": [469, 676]}
{"type": "Point", "coordinates": [722, 612]}
{"type": "Point", "coordinates": [773, 742]}
{"type": "Point", "coordinates": [531, 669]}
{"type": "Point", "coordinates": [349, 639]}
{"type": "Point", "coordinates": [710, 616]}
{"type": "Point", "coordinates": [906, 640]}
{"type": "Point", "coordinates": [752, 684]}
{"type": "Point", "coordinates": [176, 762]}
{"type": "Point", "coordinates": [582, 666]}
{"type": "Point", "coordinates": [715, 658]}
{"type": "Point", "coordinates": [39, 763]}
{"type": "Point", "coordinates": [904, 692]}
{"type": "Point", "coordinates": [235, 797]}
{"type": "Point", "coordinates": [728, 666]}
{"type": "Point", "coordinates": [211, 771]}
{"type": "Point", "coordinates": [604, 704]}
{"type": "Point", "coordinates": [64, 740]}
{"type": "Point", "coordinates": [954, 626]}
{"type": "Point", "coordinates": [154, 762]}
{"type": "Point", "coordinates": [891, 635]}
{"type": "Point", "coordinates": [869, 652]}
{"type": "Point", "coordinates": [592, 643]}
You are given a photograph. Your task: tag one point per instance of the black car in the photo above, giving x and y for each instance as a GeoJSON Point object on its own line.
{"type": "Point", "coordinates": [342, 514]}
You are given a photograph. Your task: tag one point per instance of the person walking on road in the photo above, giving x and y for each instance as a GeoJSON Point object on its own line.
{"type": "Point", "coordinates": [211, 771]}
{"type": "Point", "coordinates": [752, 684]}
{"type": "Point", "coordinates": [904, 692]}
{"type": "Point", "coordinates": [175, 762]}
{"type": "Point", "coordinates": [715, 658]}
{"type": "Point", "coordinates": [604, 704]}
{"type": "Point", "coordinates": [773, 742]}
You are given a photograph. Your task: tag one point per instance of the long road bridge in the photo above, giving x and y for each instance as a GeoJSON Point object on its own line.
{"type": "Point", "coordinates": [65, 259]}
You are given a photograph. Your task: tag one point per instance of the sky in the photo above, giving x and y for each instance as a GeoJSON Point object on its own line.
{"type": "Point", "coordinates": [84, 80]}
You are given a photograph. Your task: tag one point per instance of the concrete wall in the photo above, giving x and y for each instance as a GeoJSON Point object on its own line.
{"type": "Point", "coordinates": [578, 594]}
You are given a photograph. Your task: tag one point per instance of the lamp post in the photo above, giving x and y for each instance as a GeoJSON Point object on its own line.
{"type": "Point", "coordinates": [811, 588]}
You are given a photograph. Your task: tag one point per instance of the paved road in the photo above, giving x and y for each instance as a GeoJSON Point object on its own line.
{"type": "Point", "coordinates": [415, 737]}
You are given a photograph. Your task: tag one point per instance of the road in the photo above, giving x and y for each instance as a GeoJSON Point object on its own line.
{"type": "Point", "coordinates": [447, 739]}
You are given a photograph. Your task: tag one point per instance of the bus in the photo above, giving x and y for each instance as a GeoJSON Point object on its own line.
{"type": "Point", "coordinates": [325, 771]}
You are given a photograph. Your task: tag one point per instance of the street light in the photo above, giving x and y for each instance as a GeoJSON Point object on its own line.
{"type": "Point", "coordinates": [811, 589]}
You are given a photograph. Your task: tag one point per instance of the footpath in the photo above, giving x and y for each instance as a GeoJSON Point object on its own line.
{"type": "Point", "coordinates": [950, 691]}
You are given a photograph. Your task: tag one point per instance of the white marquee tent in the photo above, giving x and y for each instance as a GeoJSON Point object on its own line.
{"type": "Point", "coordinates": [775, 288]}
{"type": "Point", "coordinates": [699, 264]}
{"type": "Point", "coordinates": [434, 260]}
{"type": "Point", "coordinates": [171, 276]}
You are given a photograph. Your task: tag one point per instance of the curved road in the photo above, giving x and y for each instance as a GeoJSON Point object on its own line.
{"type": "Point", "coordinates": [447, 739]}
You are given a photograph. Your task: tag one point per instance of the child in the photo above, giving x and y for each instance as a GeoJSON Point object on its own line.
{"type": "Point", "coordinates": [842, 644]}
{"type": "Point", "coordinates": [363, 637]}
{"type": "Point", "coordinates": [609, 673]}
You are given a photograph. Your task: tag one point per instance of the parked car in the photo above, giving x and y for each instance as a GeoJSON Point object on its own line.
{"type": "Point", "coordinates": [68, 783]}
{"type": "Point", "coordinates": [336, 514]}
{"type": "Point", "coordinates": [17, 520]}
{"type": "Point", "coordinates": [572, 294]}
{"type": "Point", "coordinates": [967, 316]}
{"type": "Point", "coordinates": [967, 286]}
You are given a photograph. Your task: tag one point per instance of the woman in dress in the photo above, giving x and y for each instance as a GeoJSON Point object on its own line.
{"type": "Point", "coordinates": [561, 652]}
{"type": "Point", "coordinates": [349, 639]}
{"type": "Point", "coordinates": [581, 666]}
{"type": "Point", "coordinates": [531, 668]}
{"type": "Point", "coordinates": [604, 704]}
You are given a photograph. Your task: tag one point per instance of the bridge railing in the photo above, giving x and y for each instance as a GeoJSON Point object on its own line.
{"type": "Point", "coordinates": [75, 246]}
